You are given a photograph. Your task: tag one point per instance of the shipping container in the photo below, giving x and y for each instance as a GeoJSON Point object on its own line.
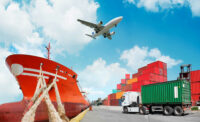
{"type": "Point", "coordinates": [142, 69]}
{"type": "Point", "coordinates": [195, 76]}
{"type": "Point", "coordinates": [115, 91]}
{"type": "Point", "coordinates": [195, 87]}
{"type": "Point", "coordinates": [118, 86]}
{"type": "Point", "coordinates": [131, 81]}
{"type": "Point", "coordinates": [127, 76]}
{"type": "Point", "coordinates": [112, 96]}
{"type": "Point", "coordinates": [195, 99]}
{"type": "Point", "coordinates": [157, 64]}
{"type": "Point", "coordinates": [114, 102]}
{"type": "Point", "coordinates": [135, 75]}
{"type": "Point", "coordinates": [171, 92]}
{"type": "Point", "coordinates": [123, 81]}
{"type": "Point", "coordinates": [119, 95]}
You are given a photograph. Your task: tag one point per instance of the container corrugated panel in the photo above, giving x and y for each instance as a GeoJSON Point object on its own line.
{"type": "Point", "coordinates": [112, 96]}
{"type": "Point", "coordinates": [195, 76]}
{"type": "Point", "coordinates": [119, 95]}
{"type": "Point", "coordinates": [195, 98]}
{"type": "Point", "coordinates": [195, 87]}
{"type": "Point", "coordinates": [172, 92]}
{"type": "Point", "coordinates": [114, 102]}
{"type": "Point", "coordinates": [118, 86]}
{"type": "Point", "coordinates": [131, 81]}
{"type": "Point", "coordinates": [115, 90]}
{"type": "Point", "coordinates": [127, 76]}
{"type": "Point", "coordinates": [123, 81]}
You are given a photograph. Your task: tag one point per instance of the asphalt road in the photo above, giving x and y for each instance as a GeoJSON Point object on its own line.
{"type": "Point", "coordinates": [114, 114]}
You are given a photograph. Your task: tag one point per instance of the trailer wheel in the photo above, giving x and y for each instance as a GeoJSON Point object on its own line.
{"type": "Point", "coordinates": [168, 110]}
{"type": "Point", "coordinates": [178, 111]}
{"type": "Point", "coordinates": [125, 109]}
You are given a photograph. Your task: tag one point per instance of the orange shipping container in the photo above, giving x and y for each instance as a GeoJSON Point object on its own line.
{"type": "Point", "coordinates": [132, 81]}
{"type": "Point", "coordinates": [119, 95]}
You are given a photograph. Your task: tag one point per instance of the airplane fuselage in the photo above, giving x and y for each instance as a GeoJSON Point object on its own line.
{"type": "Point", "coordinates": [108, 26]}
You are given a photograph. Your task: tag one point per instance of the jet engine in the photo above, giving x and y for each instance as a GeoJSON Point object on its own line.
{"type": "Point", "coordinates": [112, 33]}
{"type": "Point", "coordinates": [100, 23]}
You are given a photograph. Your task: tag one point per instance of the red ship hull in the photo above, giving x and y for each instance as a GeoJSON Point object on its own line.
{"type": "Point", "coordinates": [26, 70]}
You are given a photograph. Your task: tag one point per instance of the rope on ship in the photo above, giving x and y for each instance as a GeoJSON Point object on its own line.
{"type": "Point", "coordinates": [41, 93]}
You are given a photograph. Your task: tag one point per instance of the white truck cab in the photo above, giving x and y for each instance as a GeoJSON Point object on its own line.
{"type": "Point", "coordinates": [131, 102]}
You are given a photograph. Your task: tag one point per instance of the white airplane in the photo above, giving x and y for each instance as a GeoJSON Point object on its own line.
{"type": "Point", "coordinates": [100, 29]}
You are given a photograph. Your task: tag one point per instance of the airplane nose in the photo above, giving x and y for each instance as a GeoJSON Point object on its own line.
{"type": "Point", "coordinates": [120, 18]}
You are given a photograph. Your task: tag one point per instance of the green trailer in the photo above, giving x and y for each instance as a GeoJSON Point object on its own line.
{"type": "Point", "coordinates": [169, 97]}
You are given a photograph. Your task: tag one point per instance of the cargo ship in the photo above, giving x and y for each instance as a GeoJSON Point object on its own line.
{"type": "Point", "coordinates": [25, 69]}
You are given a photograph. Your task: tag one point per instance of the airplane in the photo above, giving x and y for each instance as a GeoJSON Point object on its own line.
{"type": "Point", "coordinates": [102, 29]}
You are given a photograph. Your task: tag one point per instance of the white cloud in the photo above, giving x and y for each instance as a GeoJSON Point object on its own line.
{"type": "Point", "coordinates": [101, 78]}
{"type": "Point", "coordinates": [15, 24]}
{"type": "Point", "coordinates": [99, 74]}
{"type": "Point", "coordinates": [137, 57]}
{"type": "Point", "coordinates": [59, 21]}
{"type": "Point", "coordinates": [26, 29]}
{"type": "Point", "coordinates": [195, 7]}
{"type": "Point", "coordinates": [8, 85]}
{"type": "Point", "coordinates": [92, 91]}
{"type": "Point", "coordinates": [159, 5]}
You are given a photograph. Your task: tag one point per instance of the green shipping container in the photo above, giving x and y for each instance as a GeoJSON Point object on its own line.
{"type": "Point", "coordinates": [170, 92]}
{"type": "Point", "coordinates": [115, 91]}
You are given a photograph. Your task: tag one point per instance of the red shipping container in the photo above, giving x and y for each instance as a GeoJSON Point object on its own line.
{"type": "Point", "coordinates": [195, 76]}
{"type": "Point", "coordinates": [109, 96]}
{"type": "Point", "coordinates": [123, 81]}
{"type": "Point", "coordinates": [165, 78]}
{"type": "Point", "coordinates": [159, 64]}
{"type": "Point", "coordinates": [114, 102]}
{"type": "Point", "coordinates": [195, 87]}
{"type": "Point", "coordinates": [165, 72]}
{"type": "Point", "coordinates": [127, 76]}
{"type": "Point", "coordinates": [123, 88]}
{"type": "Point", "coordinates": [118, 86]}
{"type": "Point", "coordinates": [164, 66]}
{"type": "Point", "coordinates": [195, 98]}
{"type": "Point", "coordinates": [112, 96]}
{"type": "Point", "coordinates": [142, 69]}
{"type": "Point", "coordinates": [135, 75]}
{"type": "Point", "coordinates": [136, 87]}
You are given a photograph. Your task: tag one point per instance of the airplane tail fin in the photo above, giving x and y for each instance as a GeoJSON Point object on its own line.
{"type": "Point", "coordinates": [90, 36]}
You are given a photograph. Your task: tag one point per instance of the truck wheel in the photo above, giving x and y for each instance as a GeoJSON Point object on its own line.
{"type": "Point", "coordinates": [168, 110]}
{"type": "Point", "coordinates": [143, 110]}
{"type": "Point", "coordinates": [125, 109]}
{"type": "Point", "coordinates": [178, 111]}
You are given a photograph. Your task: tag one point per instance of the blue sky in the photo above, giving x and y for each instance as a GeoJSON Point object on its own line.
{"type": "Point", "coordinates": [150, 31]}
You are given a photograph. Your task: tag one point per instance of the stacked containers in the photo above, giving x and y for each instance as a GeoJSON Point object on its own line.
{"type": "Point", "coordinates": [195, 86]}
{"type": "Point", "coordinates": [106, 102]}
{"type": "Point", "coordinates": [152, 73]}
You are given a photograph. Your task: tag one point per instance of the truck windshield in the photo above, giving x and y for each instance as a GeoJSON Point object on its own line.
{"type": "Point", "coordinates": [122, 98]}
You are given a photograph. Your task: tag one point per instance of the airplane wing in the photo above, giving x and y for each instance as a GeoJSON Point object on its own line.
{"type": "Point", "coordinates": [92, 25]}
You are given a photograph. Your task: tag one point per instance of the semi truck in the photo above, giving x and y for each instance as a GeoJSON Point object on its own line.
{"type": "Point", "coordinates": [171, 97]}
